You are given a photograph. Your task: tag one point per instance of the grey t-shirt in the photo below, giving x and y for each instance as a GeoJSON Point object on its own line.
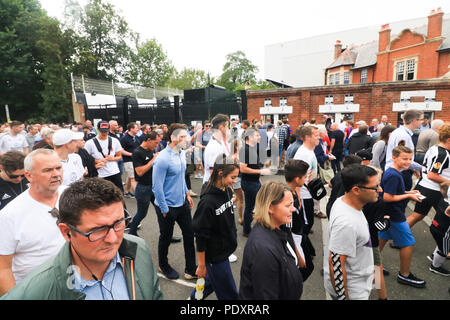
{"type": "Point", "coordinates": [348, 234]}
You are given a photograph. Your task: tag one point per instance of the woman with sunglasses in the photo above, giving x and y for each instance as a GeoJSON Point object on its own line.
{"type": "Point", "coordinates": [12, 178]}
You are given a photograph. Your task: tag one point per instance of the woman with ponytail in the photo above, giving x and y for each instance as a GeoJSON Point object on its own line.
{"type": "Point", "coordinates": [215, 231]}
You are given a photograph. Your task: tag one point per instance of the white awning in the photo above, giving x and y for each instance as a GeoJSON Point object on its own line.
{"type": "Point", "coordinates": [94, 102]}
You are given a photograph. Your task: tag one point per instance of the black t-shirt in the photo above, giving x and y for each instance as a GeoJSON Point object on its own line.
{"type": "Point", "coordinates": [129, 144]}
{"type": "Point", "coordinates": [250, 156]}
{"type": "Point", "coordinates": [338, 135]}
{"type": "Point", "coordinates": [8, 190]}
{"type": "Point", "coordinates": [140, 158]}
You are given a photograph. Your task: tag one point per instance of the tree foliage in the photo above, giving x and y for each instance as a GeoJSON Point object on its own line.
{"type": "Point", "coordinates": [149, 65]}
{"type": "Point", "coordinates": [189, 78]}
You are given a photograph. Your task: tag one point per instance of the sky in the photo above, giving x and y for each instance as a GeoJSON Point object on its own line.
{"type": "Point", "coordinates": [200, 33]}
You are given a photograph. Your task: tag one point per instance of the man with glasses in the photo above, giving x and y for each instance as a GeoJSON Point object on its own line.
{"type": "Point", "coordinates": [97, 262]}
{"type": "Point", "coordinates": [348, 258]}
{"type": "Point", "coordinates": [12, 177]}
{"type": "Point", "coordinates": [28, 232]}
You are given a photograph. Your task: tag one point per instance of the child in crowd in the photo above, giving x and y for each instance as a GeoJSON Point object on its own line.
{"type": "Point", "coordinates": [295, 175]}
{"type": "Point", "coordinates": [396, 199]}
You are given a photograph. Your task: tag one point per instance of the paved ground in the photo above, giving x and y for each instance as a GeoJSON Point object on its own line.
{"type": "Point", "coordinates": [436, 288]}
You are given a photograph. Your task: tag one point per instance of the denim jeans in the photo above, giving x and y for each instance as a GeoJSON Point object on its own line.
{"type": "Point", "coordinates": [144, 195]}
{"type": "Point", "coordinates": [181, 215]}
{"type": "Point", "coordinates": [250, 189]}
{"type": "Point", "coordinates": [219, 279]}
{"type": "Point", "coordinates": [336, 164]}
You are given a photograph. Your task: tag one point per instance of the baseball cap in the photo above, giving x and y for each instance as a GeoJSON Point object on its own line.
{"type": "Point", "coordinates": [103, 126]}
{"type": "Point", "coordinates": [78, 136]}
{"type": "Point", "coordinates": [62, 136]}
{"type": "Point", "coordinates": [364, 154]}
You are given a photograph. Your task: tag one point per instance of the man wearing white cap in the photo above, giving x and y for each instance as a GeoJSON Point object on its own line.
{"type": "Point", "coordinates": [64, 143]}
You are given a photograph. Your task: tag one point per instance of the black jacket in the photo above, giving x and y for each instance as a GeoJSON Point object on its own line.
{"type": "Point", "coordinates": [214, 225]}
{"type": "Point", "coordinates": [358, 142]}
{"type": "Point", "coordinates": [268, 269]}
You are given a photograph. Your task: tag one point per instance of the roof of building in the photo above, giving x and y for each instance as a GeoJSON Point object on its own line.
{"type": "Point", "coordinates": [365, 55]}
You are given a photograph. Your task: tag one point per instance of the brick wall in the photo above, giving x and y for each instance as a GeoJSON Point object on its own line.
{"type": "Point", "coordinates": [375, 99]}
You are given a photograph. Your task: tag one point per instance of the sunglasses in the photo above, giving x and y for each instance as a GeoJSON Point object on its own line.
{"type": "Point", "coordinates": [13, 176]}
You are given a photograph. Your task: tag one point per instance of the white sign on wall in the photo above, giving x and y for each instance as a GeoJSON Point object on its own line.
{"type": "Point", "coordinates": [276, 110]}
{"type": "Point", "coordinates": [339, 108]}
{"type": "Point", "coordinates": [428, 105]}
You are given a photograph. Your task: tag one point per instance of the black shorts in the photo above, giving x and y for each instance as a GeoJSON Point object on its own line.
{"type": "Point", "coordinates": [433, 198]}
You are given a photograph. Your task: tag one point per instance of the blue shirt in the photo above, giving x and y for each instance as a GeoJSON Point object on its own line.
{"type": "Point", "coordinates": [113, 281]}
{"type": "Point", "coordinates": [169, 184]}
{"type": "Point", "coordinates": [292, 149]}
{"type": "Point", "coordinates": [401, 133]}
{"type": "Point", "coordinates": [392, 183]}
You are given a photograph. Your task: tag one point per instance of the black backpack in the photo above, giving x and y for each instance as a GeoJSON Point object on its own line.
{"type": "Point", "coordinates": [99, 148]}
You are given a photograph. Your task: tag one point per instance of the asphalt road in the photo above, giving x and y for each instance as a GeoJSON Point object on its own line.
{"type": "Point", "coordinates": [436, 288]}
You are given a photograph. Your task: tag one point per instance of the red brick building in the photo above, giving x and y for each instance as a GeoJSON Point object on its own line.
{"type": "Point", "coordinates": [410, 70]}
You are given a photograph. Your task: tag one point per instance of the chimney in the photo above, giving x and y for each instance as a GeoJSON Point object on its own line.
{"type": "Point", "coordinates": [384, 37]}
{"type": "Point", "coordinates": [337, 49]}
{"type": "Point", "coordinates": [435, 23]}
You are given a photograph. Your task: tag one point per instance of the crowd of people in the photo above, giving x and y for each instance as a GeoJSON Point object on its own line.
{"type": "Point", "coordinates": [62, 190]}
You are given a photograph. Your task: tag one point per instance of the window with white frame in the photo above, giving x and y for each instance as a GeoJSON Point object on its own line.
{"type": "Point", "coordinates": [364, 76]}
{"type": "Point", "coordinates": [283, 102]}
{"type": "Point", "coordinates": [338, 78]}
{"type": "Point", "coordinates": [400, 70]}
{"type": "Point", "coordinates": [329, 99]}
{"type": "Point", "coordinates": [348, 99]}
{"type": "Point", "coordinates": [331, 79]}
{"type": "Point", "coordinates": [267, 102]}
{"type": "Point", "coordinates": [346, 77]}
{"type": "Point", "coordinates": [405, 70]}
{"type": "Point", "coordinates": [410, 68]}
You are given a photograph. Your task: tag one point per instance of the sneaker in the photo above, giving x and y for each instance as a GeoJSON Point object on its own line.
{"type": "Point", "coordinates": [169, 272]}
{"type": "Point", "coordinates": [386, 272]}
{"type": "Point", "coordinates": [232, 258]}
{"type": "Point", "coordinates": [411, 280]}
{"type": "Point", "coordinates": [189, 275]}
{"type": "Point", "coordinates": [439, 270]}
{"type": "Point", "coordinates": [430, 257]}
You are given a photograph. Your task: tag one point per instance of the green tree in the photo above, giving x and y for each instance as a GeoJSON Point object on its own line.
{"type": "Point", "coordinates": [20, 62]}
{"type": "Point", "coordinates": [149, 65]}
{"type": "Point", "coordinates": [237, 71]}
{"type": "Point", "coordinates": [104, 43]}
{"type": "Point", "coordinates": [56, 48]}
{"type": "Point", "coordinates": [189, 79]}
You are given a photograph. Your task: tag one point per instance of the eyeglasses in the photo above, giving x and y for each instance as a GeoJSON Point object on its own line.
{"type": "Point", "coordinates": [101, 232]}
{"type": "Point", "coordinates": [13, 176]}
{"type": "Point", "coordinates": [369, 188]}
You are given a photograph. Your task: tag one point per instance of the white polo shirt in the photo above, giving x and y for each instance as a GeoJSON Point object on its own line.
{"type": "Point", "coordinates": [73, 169]}
{"type": "Point", "coordinates": [212, 151]}
{"type": "Point", "coordinates": [29, 232]}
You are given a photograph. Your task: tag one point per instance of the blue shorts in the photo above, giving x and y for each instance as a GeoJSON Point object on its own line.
{"type": "Point", "coordinates": [400, 232]}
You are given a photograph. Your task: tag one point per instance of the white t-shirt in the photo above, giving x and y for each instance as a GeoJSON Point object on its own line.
{"type": "Point", "coordinates": [111, 168]}
{"type": "Point", "coordinates": [29, 232]}
{"type": "Point", "coordinates": [73, 169]}
{"type": "Point", "coordinates": [309, 157]}
{"type": "Point", "coordinates": [9, 142]}
{"type": "Point", "coordinates": [348, 234]}
{"type": "Point", "coordinates": [212, 151]}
